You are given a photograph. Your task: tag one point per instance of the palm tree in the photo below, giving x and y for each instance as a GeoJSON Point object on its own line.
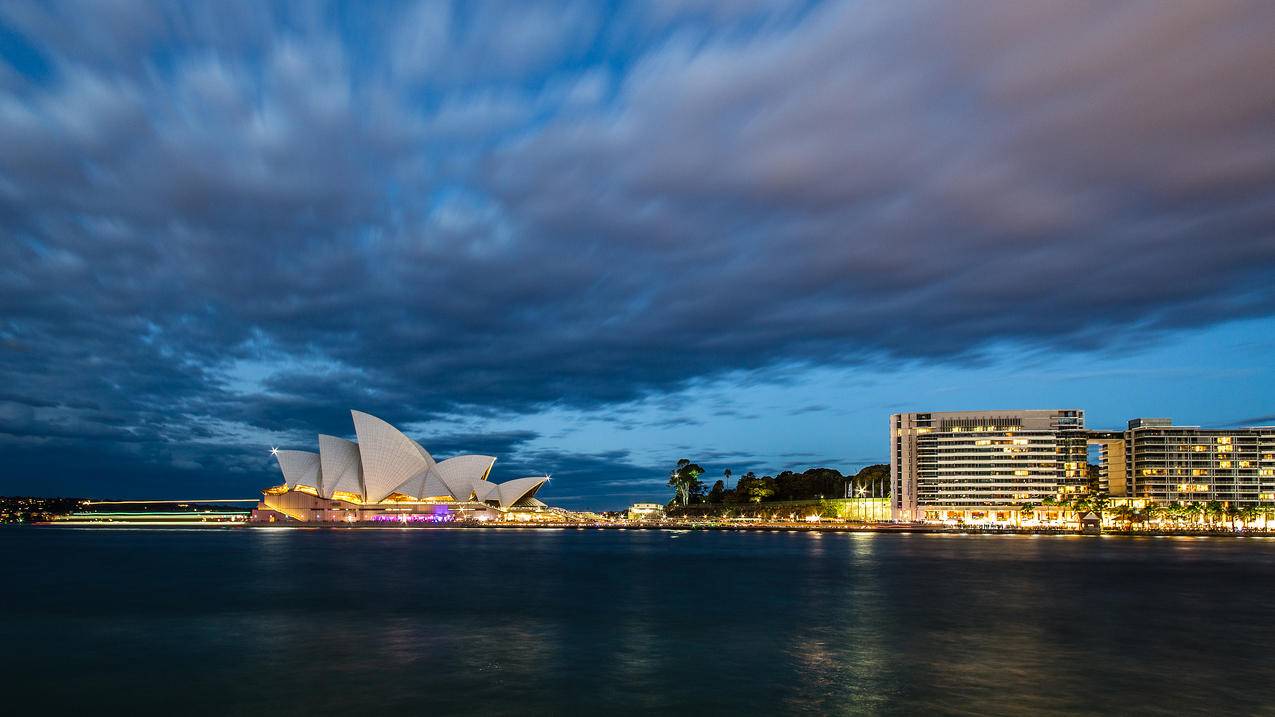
{"type": "Point", "coordinates": [1125, 514]}
{"type": "Point", "coordinates": [1249, 514]}
{"type": "Point", "coordinates": [1140, 517]}
{"type": "Point", "coordinates": [1098, 502]}
{"type": "Point", "coordinates": [1067, 505]}
{"type": "Point", "coordinates": [1195, 509]}
{"type": "Point", "coordinates": [1023, 510]}
{"type": "Point", "coordinates": [1261, 511]}
{"type": "Point", "coordinates": [1214, 510]}
{"type": "Point", "coordinates": [1153, 511]}
{"type": "Point", "coordinates": [1178, 512]}
{"type": "Point", "coordinates": [1232, 513]}
{"type": "Point", "coordinates": [1050, 502]}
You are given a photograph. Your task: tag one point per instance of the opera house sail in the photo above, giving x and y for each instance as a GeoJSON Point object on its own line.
{"type": "Point", "coordinates": [385, 476]}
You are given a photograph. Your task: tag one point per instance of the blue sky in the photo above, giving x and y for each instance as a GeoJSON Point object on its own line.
{"type": "Point", "coordinates": [593, 238]}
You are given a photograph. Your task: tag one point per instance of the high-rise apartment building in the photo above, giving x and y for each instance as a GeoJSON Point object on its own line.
{"type": "Point", "coordinates": [1167, 463]}
{"type": "Point", "coordinates": [982, 465]}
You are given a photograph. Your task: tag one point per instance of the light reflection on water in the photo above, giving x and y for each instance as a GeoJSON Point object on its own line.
{"type": "Point", "coordinates": [639, 622]}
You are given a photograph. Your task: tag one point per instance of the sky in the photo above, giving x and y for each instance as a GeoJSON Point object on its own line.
{"type": "Point", "coordinates": [591, 238]}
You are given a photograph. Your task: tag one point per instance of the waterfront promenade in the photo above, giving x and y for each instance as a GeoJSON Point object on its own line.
{"type": "Point", "coordinates": [677, 525]}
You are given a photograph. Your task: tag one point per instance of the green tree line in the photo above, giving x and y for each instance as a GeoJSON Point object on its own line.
{"type": "Point", "coordinates": [811, 484]}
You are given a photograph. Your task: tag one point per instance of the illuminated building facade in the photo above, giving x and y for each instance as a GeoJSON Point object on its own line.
{"type": "Point", "coordinates": [1167, 464]}
{"type": "Point", "coordinates": [646, 511]}
{"type": "Point", "coordinates": [387, 477]}
{"type": "Point", "coordinates": [980, 466]}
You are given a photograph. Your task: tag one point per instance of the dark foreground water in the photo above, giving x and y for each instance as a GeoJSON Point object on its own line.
{"type": "Point", "coordinates": [491, 622]}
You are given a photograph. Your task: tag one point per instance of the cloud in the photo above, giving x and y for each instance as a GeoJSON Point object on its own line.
{"type": "Point", "coordinates": [430, 209]}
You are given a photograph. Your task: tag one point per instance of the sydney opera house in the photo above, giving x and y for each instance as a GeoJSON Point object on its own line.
{"type": "Point", "coordinates": [386, 477]}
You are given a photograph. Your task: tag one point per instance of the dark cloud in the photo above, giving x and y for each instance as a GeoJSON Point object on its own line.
{"type": "Point", "coordinates": [801, 410]}
{"type": "Point", "coordinates": [231, 218]}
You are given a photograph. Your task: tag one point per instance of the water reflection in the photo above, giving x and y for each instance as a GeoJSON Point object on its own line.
{"type": "Point", "coordinates": [640, 622]}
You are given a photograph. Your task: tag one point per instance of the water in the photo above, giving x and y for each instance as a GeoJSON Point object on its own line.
{"type": "Point", "coordinates": [498, 622]}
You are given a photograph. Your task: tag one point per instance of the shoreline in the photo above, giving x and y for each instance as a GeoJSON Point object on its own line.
{"type": "Point", "coordinates": [677, 527]}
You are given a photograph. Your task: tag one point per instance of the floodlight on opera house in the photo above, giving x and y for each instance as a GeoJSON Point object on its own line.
{"type": "Point", "coordinates": [385, 475]}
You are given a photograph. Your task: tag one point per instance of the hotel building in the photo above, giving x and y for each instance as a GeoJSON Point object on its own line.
{"type": "Point", "coordinates": [978, 466]}
{"type": "Point", "coordinates": [1167, 463]}
{"type": "Point", "coordinates": [982, 466]}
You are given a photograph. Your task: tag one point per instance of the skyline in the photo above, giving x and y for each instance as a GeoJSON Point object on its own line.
{"type": "Point", "coordinates": [591, 239]}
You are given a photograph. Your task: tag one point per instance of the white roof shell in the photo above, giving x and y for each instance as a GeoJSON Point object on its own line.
{"type": "Point", "coordinates": [520, 490]}
{"type": "Point", "coordinates": [385, 461]}
{"type": "Point", "coordinates": [389, 457]}
{"type": "Point", "coordinates": [463, 474]}
{"type": "Point", "coordinates": [299, 468]}
{"type": "Point", "coordinates": [342, 469]}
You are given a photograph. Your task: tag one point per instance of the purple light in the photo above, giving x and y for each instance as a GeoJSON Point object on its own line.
{"type": "Point", "coordinates": [443, 516]}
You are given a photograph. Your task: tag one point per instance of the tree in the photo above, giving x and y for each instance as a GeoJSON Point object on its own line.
{"type": "Point", "coordinates": [1125, 514]}
{"type": "Point", "coordinates": [685, 482]}
{"type": "Point", "coordinates": [753, 489]}
{"type": "Point", "coordinates": [718, 492]}
{"type": "Point", "coordinates": [874, 480]}
{"type": "Point", "coordinates": [1178, 512]}
{"type": "Point", "coordinates": [1099, 501]}
{"type": "Point", "coordinates": [1195, 511]}
{"type": "Point", "coordinates": [1025, 511]}
{"type": "Point", "coordinates": [1249, 514]}
{"type": "Point", "coordinates": [1232, 512]}
{"type": "Point", "coordinates": [1214, 510]}
{"type": "Point", "coordinates": [1152, 512]}
{"type": "Point", "coordinates": [1261, 511]}
{"type": "Point", "coordinates": [1079, 504]}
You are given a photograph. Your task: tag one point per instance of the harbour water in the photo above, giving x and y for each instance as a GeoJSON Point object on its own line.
{"type": "Point", "coordinates": [492, 622]}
